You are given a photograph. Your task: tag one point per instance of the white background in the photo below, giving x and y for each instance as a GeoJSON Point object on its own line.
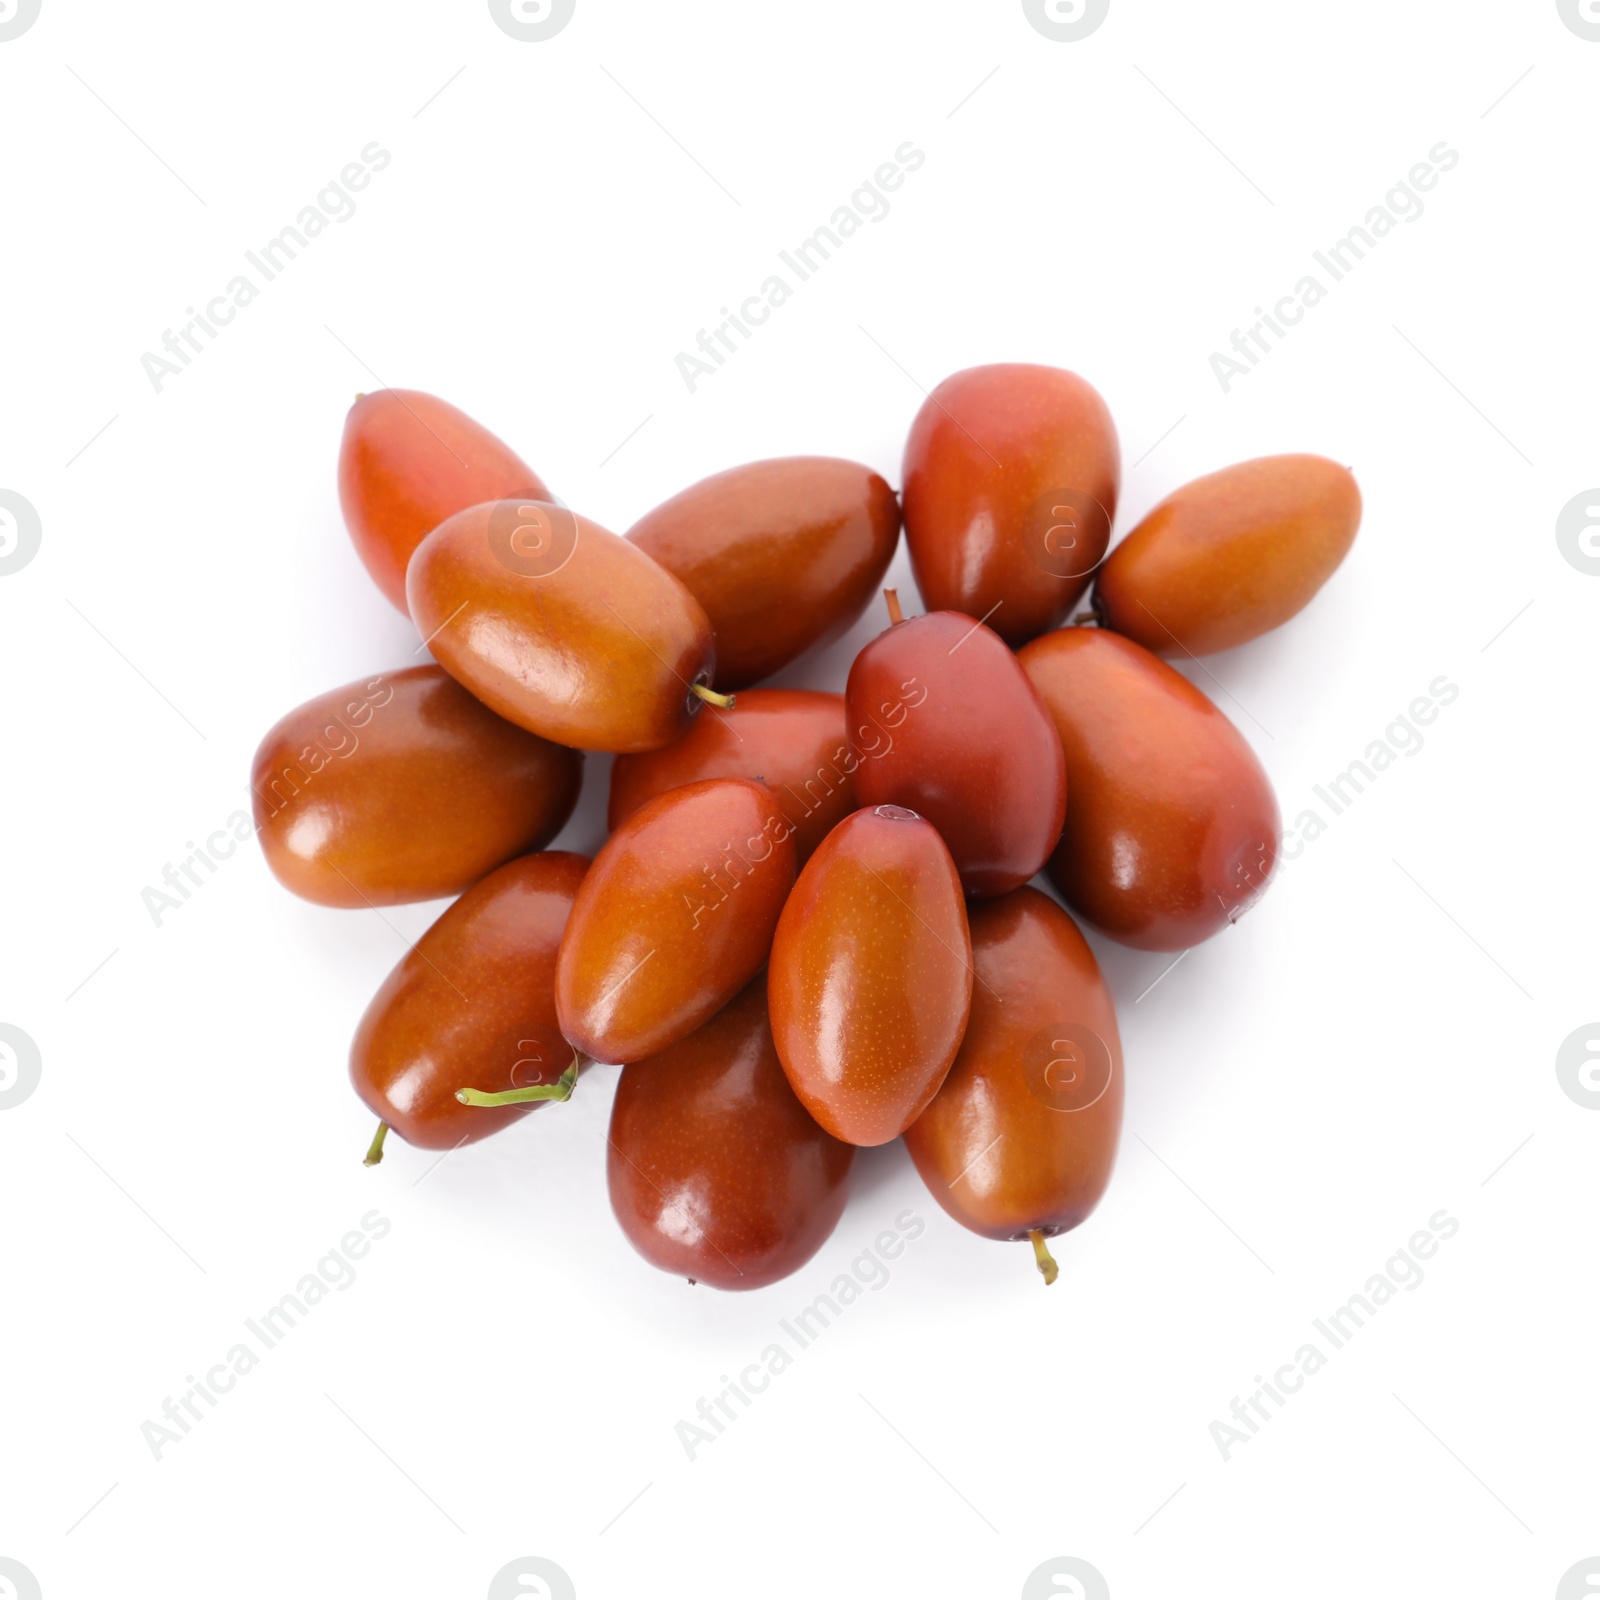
{"type": "Point", "coordinates": [1375, 1042]}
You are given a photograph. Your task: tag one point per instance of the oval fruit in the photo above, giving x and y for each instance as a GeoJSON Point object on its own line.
{"type": "Point", "coordinates": [1011, 478]}
{"type": "Point", "coordinates": [674, 919]}
{"type": "Point", "coordinates": [943, 720]}
{"type": "Point", "coordinates": [784, 555]}
{"type": "Point", "coordinates": [1021, 1139]}
{"type": "Point", "coordinates": [472, 1005]}
{"type": "Point", "coordinates": [1172, 826]}
{"type": "Point", "coordinates": [407, 461]}
{"type": "Point", "coordinates": [562, 627]}
{"type": "Point", "coordinates": [871, 975]}
{"type": "Point", "coordinates": [792, 740]}
{"type": "Point", "coordinates": [716, 1170]}
{"type": "Point", "coordinates": [403, 788]}
{"type": "Point", "coordinates": [1230, 556]}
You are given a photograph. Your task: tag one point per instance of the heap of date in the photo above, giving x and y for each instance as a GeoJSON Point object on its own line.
{"type": "Point", "coordinates": [811, 927]}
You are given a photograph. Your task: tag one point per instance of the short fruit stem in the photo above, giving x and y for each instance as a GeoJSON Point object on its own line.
{"type": "Point", "coordinates": [712, 698]}
{"type": "Point", "coordinates": [1041, 1254]}
{"type": "Point", "coordinates": [561, 1089]}
{"type": "Point", "coordinates": [375, 1149]}
{"type": "Point", "coordinates": [891, 598]}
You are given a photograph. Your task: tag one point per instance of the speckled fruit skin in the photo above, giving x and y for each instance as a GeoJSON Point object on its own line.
{"type": "Point", "coordinates": [1230, 556]}
{"type": "Point", "coordinates": [407, 461]}
{"type": "Point", "coordinates": [1002, 1157]}
{"type": "Point", "coordinates": [986, 462]}
{"type": "Point", "coordinates": [561, 626]}
{"type": "Point", "coordinates": [403, 787]}
{"type": "Point", "coordinates": [472, 1005]}
{"type": "Point", "coordinates": [716, 1171]}
{"type": "Point", "coordinates": [871, 975]}
{"type": "Point", "coordinates": [674, 918]}
{"type": "Point", "coordinates": [943, 720]}
{"type": "Point", "coordinates": [784, 555]}
{"type": "Point", "coordinates": [792, 740]}
{"type": "Point", "coordinates": [1172, 826]}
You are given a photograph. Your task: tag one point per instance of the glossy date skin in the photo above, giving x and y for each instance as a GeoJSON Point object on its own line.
{"type": "Point", "coordinates": [792, 740]}
{"type": "Point", "coordinates": [403, 787]}
{"type": "Point", "coordinates": [943, 720]}
{"type": "Point", "coordinates": [1230, 556]}
{"type": "Point", "coordinates": [674, 918]}
{"type": "Point", "coordinates": [716, 1171]}
{"type": "Point", "coordinates": [1029, 1117]}
{"type": "Point", "coordinates": [561, 626]}
{"type": "Point", "coordinates": [1172, 826]}
{"type": "Point", "coordinates": [784, 555]}
{"type": "Point", "coordinates": [1011, 478]}
{"type": "Point", "coordinates": [471, 1005]}
{"type": "Point", "coordinates": [409, 460]}
{"type": "Point", "coordinates": [871, 975]}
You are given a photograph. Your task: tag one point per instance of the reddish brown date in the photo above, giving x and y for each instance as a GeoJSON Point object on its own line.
{"type": "Point", "coordinates": [403, 787]}
{"type": "Point", "coordinates": [784, 555]}
{"type": "Point", "coordinates": [1021, 1139]}
{"type": "Point", "coordinates": [792, 740]}
{"type": "Point", "coordinates": [716, 1170]}
{"type": "Point", "coordinates": [471, 1006]}
{"type": "Point", "coordinates": [1011, 477]}
{"type": "Point", "coordinates": [871, 975]}
{"type": "Point", "coordinates": [675, 917]}
{"type": "Point", "coordinates": [1230, 556]}
{"type": "Point", "coordinates": [562, 627]}
{"type": "Point", "coordinates": [943, 720]}
{"type": "Point", "coordinates": [1172, 826]}
{"type": "Point", "coordinates": [407, 461]}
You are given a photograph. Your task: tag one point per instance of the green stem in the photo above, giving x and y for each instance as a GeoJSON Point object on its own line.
{"type": "Point", "coordinates": [1041, 1254]}
{"type": "Point", "coordinates": [561, 1089]}
{"type": "Point", "coordinates": [375, 1149]}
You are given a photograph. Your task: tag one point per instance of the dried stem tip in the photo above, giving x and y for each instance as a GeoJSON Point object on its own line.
{"type": "Point", "coordinates": [1041, 1254]}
